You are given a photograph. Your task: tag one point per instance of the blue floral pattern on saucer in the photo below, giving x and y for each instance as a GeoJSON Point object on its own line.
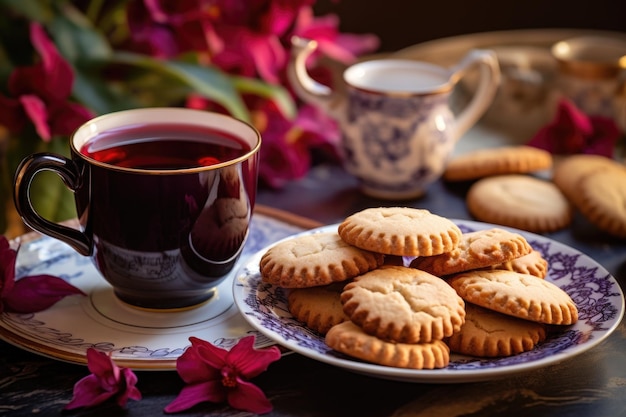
{"type": "Point", "coordinates": [145, 340]}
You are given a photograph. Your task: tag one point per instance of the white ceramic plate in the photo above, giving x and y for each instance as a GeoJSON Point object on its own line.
{"type": "Point", "coordinates": [137, 339]}
{"type": "Point", "coordinates": [596, 293]}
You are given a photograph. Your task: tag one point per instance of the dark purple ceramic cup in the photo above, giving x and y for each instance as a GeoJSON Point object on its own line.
{"type": "Point", "coordinates": [164, 198]}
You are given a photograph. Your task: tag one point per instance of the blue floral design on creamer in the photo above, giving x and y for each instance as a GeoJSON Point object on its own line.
{"type": "Point", "coordinates": [397, 144]}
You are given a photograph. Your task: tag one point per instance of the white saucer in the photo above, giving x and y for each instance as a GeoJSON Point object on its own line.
{"type": "Point", "coordinates": [136, 338]}
{"type": "Point", "coordinates": [597, 294]}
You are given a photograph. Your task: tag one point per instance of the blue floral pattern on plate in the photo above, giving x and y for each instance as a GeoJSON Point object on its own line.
{"type": "Point", "coordinates": [596, 293]}
{"type": "Point", "coordinates": [135, 338]}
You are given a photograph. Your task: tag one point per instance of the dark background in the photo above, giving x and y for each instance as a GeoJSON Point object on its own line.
{"type": "Point", "coordinates": [402, 23]}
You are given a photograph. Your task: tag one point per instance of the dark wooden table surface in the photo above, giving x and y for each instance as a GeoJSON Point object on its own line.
{"type": "Point", "coordinates": [591, 384]}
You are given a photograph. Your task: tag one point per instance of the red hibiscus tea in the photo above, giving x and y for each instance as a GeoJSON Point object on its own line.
{"type": "Point", "coordinates": [164, 146]}
{"type": "Point", "coordinates": [164, 198]}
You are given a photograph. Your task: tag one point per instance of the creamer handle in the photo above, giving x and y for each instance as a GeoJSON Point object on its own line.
{"type": "Point", "coordinates": [489, 80]}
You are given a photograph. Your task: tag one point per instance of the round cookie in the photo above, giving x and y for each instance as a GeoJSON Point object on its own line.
{"type": "Point", "coordinates": [315, 259]}
{"type": "Point", "coordinates": [602, 200]}
{"type": "Point", "coordinates": [351, 340]}
{"type": "Point", "coordinates": [318, 307]}
{"type": "Point", "coordinates": [519, 295]}
{"type": "Point", "coordinates": [531, 264]}
{"type": "Point", "coordinates": [487, 333]}
{"type": "Point", "coordinates": [569, 171]}
{"type": "Point", "coordinates": [497, 161]}
{"type": "Point", "coordinates": [401, 231]}
{"type": "Point", "coordinates": [519, 201]}
{"type": "Point", "coordinates": [403, 305]}
{"type": "Point", "coordinates": [478, 249]}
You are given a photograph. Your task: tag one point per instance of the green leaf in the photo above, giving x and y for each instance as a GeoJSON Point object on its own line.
{"type": "Point", "coordinates": [278, 94]}
{"type": "Point", "coordinates": [77, 39]}
{"type": "Point", "coordinates": [38, 10]}
{"type": "Point", "coordinates": [99, 96]}
{"type": "Point", "coordinates": [206, 81]}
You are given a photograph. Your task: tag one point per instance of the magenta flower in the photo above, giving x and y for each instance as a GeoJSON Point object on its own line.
{"type": "Point", "coordinates": [28, 294]}
{"type": "Point", "coordinates": [168, 29]}
{"type": "Point", "coordinates": [343, 47]}
{"type": "Point", "coordinates": [217, 375]}
{"type": "Point", "coordinates": [41, 93]}
{"type": "Point", "coordinates": [572, 131]}
{"type": "Point", "coordinates": [106, 380]}
{"type": "Point", "coordinates": [287, 143]}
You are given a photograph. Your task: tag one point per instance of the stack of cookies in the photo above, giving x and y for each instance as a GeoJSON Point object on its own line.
{"type": "Point", "coordinates": [507, 191]}
{"type": "Point", "coordinates": [403, 287]}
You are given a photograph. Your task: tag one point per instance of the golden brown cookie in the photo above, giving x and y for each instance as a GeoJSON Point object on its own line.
{"type": "Point", "coordinates": [403, 305]}
{"type": "Point", "coordinates": [318, 307]}
{"type": "Point", "coordinates": [570, 170]}
{"type": "Point", "coordinates": [315, 259]}
{"type": "Point", "coordinates": [487, 333]}
{"type": "Point", "coordinates": [531, 264]}
{"type": "Point", "coordinates": [351, 340]}
{"type": "Point", "coordinates": [497, 161]}
{"type": "Point", "coordinates": [478, 249]}
{"type": "Point", "coordinates": [401, 231]}
{"type": "Point", "coordinates": [519, 201]}
{"type": "Point", "coordinates": [519, 295]}
{"type": "Point", "coordinates": [602, 200]}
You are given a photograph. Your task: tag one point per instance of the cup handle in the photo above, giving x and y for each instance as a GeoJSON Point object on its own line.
{"type": "Point", "coordinates": [488, 83]}
{"type": "Point", "coordinates": [70, 174]}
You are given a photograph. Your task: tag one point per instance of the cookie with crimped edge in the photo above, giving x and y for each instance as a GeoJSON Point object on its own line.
{"type": "Point", "coordinates": [519, 295]}
{"type": "Point", "coordinates": [351, 340]}
{"type": "Point", "coordinates": [403, 305]}
{"type": "Point", "coordinates": [533, 264]}
{"type": "Point", "coordinates": [318, 307]}
{"type": "Point", "coordinates": [487, 333]}
{"type": "Point", "coordinates": [315, 259]}
{"type": "Point", "coordinates": [402, 231]}
{"type": "Point", "coordinates": [519, 201]}
{"type": "Point", "coordinates": [478, 249]}
{"type": "Point", "coordinates": [482, 163]}
{"type": "Point", "coordinates": [570, 170]}
{"type": "Point", "coordinates": [602, 200]}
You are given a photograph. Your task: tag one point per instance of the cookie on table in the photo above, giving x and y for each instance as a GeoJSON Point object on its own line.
{"type": "Point", "coordinates": [401, 231]}
{"type": "Point", "coordinates": [497, 161]}
{"type": "Point", "coordinates": [351, 340]}
{"type": "Point", "coordinates": [318, 307]}
{"type": "Point", "coordinates": [520, 201]}
{"type": "Point", "coordinates": [519, 295]}
{"type": "Point", "coordinates": [487, 333]}
{"type": "Point", "coordinates": [601, 199]}
{"type": "Point", "coordinates": [531, 264]}
{"type": "Point", "coordinates": [403, 305]}
{"type": "Point", "coordinates": [478, 249]}
{"type": "Point", "coordinates": [570, 170]}
{"type": "Point", "coordinates": [315, 259]}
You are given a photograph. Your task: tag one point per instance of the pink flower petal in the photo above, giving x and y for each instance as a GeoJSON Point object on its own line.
{"type": "Point", "coordinates": [190, 395]}
{"type": "Point", "coordinates": [249, 361]}
{"type": "Point", "coordinates": [572, 131]}
{"type": "Point", "coordinates": [37, 112]}
{"type": "Point", "coordinates": [191, 367]}
{"type": "Point", "coordinates": [59, 76]}
{"type": "Point", "coordinates": [37, 293]}
{"type": "Point", "coordinates": [249, 397]}
{"type": "Point", "coordinates": [131, 392]}
{"type": "Point", "coordinates": [107, 380]}
{"type": "Point", "coordinates": [88, 393]}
